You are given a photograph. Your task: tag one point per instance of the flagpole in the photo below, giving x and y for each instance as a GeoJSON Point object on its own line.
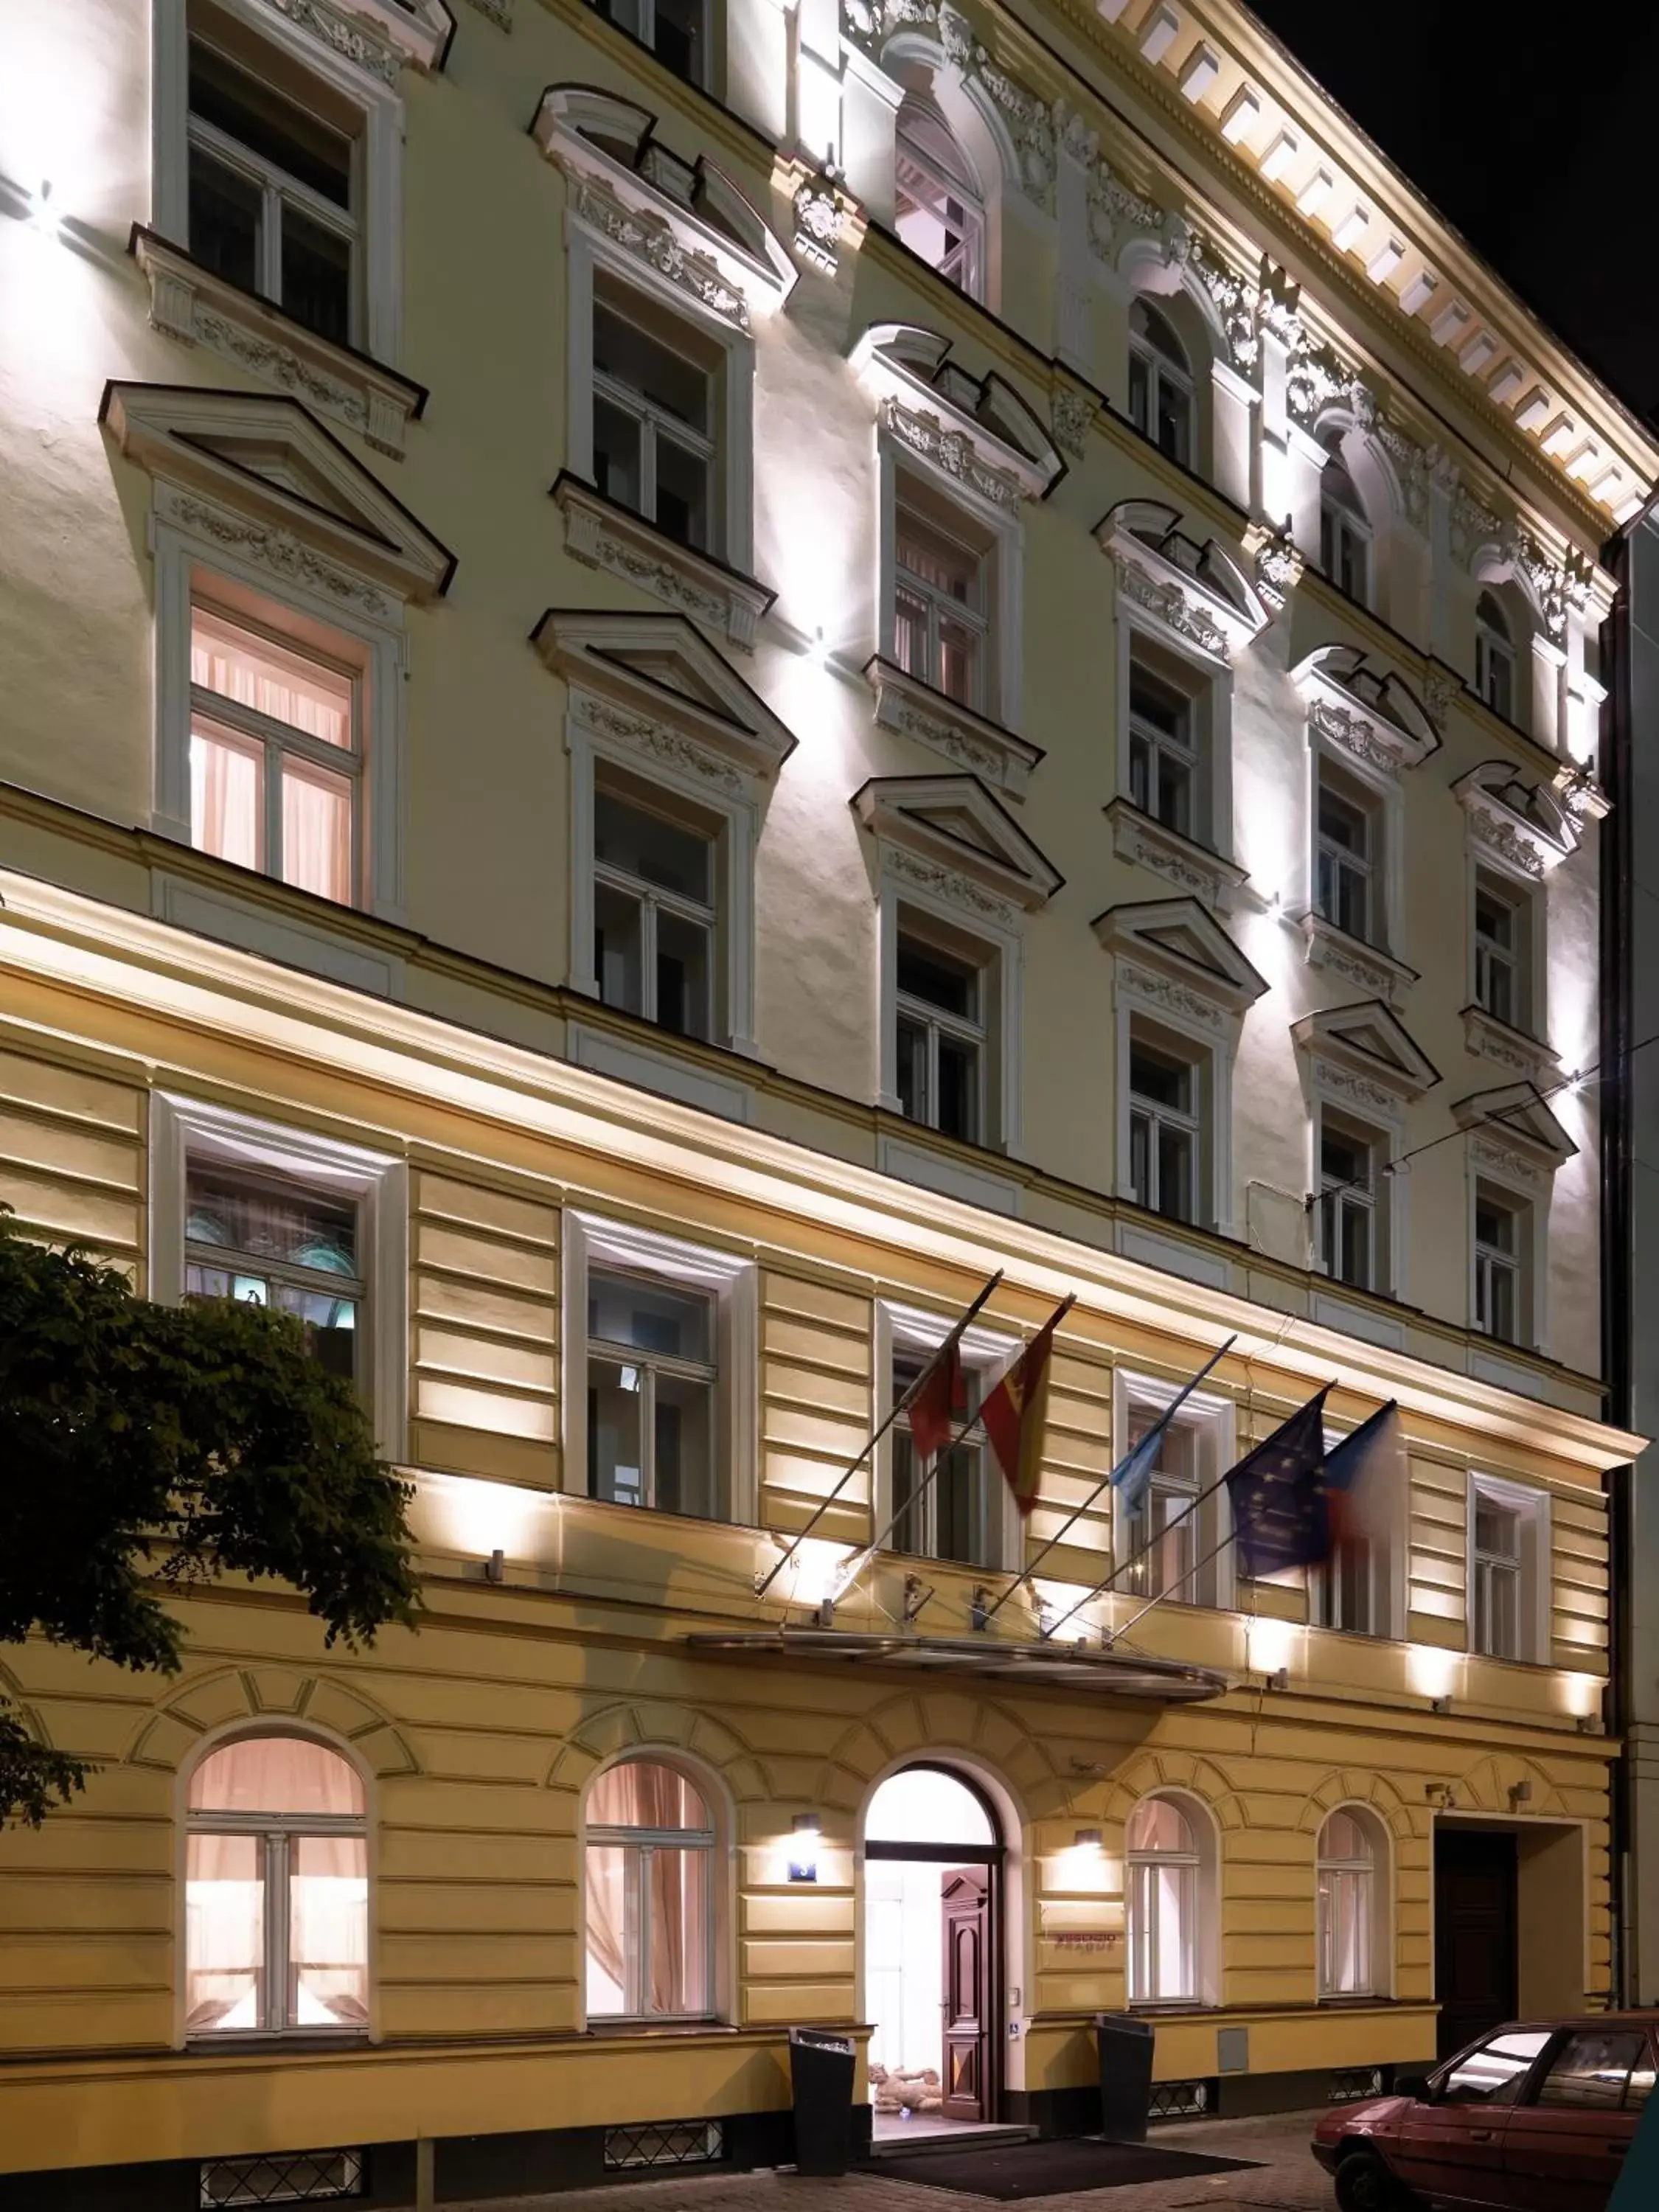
{"type": "Point", "coordinates": [1214, 1552]}
{"type": "Point", "coordinates": [1165, 1418]}
{"type": "Point", "coordinates": [763, 1582]}
{"type": "Point", "coordinates": [856, 1566]}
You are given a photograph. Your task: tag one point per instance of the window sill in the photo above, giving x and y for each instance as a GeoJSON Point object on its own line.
{"type": "Point", "coordinates": [1527, 1057]}
{"type": "Point", "coordinates": [1189, 866]}
{"type": "Point", "coordinates": [604, 536]}
{"type": "Point", "coordinates": [1376, 972]}
{"type": "Point", "coordinates": [708, 2024]}
{"type": "Point", "coordinates": [911, 708]}
{"type": "Point", "coordinates": [193, 304]}
{"type": "Point", "coordinates": [274, 2039]}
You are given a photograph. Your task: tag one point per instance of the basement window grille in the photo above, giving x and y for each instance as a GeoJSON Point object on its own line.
{"type": "Point", "coordinates": [670, 2143]}
{"type": "Point", "coordinates": [1180, 2100]}
{"type": "Point", "coordinates": [301, 2177]}
{"type": "Point", "coordinates": [1354, 2084]}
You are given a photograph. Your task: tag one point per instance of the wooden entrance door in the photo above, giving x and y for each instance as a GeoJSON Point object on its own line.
{"type": "Point", "coordinates": [1474, 1934]}
{"type": "Point", "coordinates": [965, 2075]}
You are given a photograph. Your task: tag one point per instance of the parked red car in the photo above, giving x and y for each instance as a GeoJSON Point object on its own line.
{"type": "Point", "coordinates": [1534, 2118]}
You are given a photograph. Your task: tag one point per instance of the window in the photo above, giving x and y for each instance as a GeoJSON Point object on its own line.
{"type": "Point", "coordinates": [1161, 1531]}
{"type": "Point", "coordinates": [651, 1374]}
{"type": "Point", "coordinates": [1496, 1579]}
{"type": "Point", "coordinates": [1163, 1131]}
{"type": "Point", "coordinates": [1350, 1590]}
{"type": "Point", "coordinates": [1164, 760]}
{"type": "Point", "coordinates": [651, 1893]}
{"type": "Point", "coordinates": [653, 916]}
{"type": "Point", "coordinates": [654, 417]}
{"type": "Point", "coordinates": [956, 1517]}
{"type": "Point", "coordinates": [269, 1241]}
{"type": "Point", "coordinates": [1599, 2070]}
{"type": "Point", "coordinates": [275, 756]}
{"type": "Point", "coordinates": [1346, 1908]}
{"type": "Point", "coordinates": [273, 189]}
{"type": "Point", "coordinates": [1163, 1867]}
{"type": "Point", "coordinates": [1500, 1275]}
{"type": "Point", "coordinates": [276, 1891]}
{"type": "Point", "coordinates": [1494, 656]}
{"type": "Point", "coordinates": [941, 1039]}
{"type": "Point", "coordinates": [938, 208]}
{"type": "Point", "coordinates": [1502, 966]}
{"type": "Point", "coordinates": [940, 625]}
{"type": "Point", "coordinates": [1160, 383]}
{"type": "Point", "coordinates": [1344, 536]}
{"type": "Point", "coordinates": [1496, 2073]}
{"type": "Point", "coordinates": [675, 30]}
{"type": "Point", "coordinates": [1347, 876]}
{"type": "Point", "coordinates": [1353, 1222]}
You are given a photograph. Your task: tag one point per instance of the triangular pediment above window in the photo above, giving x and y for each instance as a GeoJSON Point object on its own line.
{"type": "Point", "coordinates": [953, 822]}
{"type": "Point", "coordinates": [1371, 712]}
{"type": "Point", "coordinates": [1517, 1116]}
{"type": "Point", "coordinates": [1182, 940]}
{"type": "Point", "coordinates": [655, 680]}
{"type": "Point", "coordinates": [268, 459]}
{"type": "Point", "coordinates": [1369, 1042]}
{"type": "Point", "coordinates": [975, 430]}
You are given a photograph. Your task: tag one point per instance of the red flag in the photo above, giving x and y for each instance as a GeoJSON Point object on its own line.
{"type": "Point", "coordinates": [1015, 1414]}
{"type": "Point", "coordinates": [935, 1410]}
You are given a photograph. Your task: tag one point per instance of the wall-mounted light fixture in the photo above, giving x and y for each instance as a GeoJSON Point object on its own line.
{"type": "Point", "coordinates": [1279, 1678]}
{"type": "Point", "coordinates": [42, 214]}
{"type": "Point", "coordinates": [496, 1567]}
{"type": "Point", "coordinates": [807, 1832]}
{"type": "Point", "coordinates": [1441, 1704]}
{"type": "Point", "coordinates": [1087, 1840]}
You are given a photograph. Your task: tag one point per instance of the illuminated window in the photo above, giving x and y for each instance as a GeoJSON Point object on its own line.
{"type": "Point", "coordinates": [957, 1514]}
{"type": "Point", "coordinates": [1509, 1555]}
{"type": "Point", "coordinates": [1164, 1883]}
{"type": "Point", "coordinates": [676, 31]}
{"type": "Point", "coordinates": [276, 1891]}
{"type": "Point", "coordinates": [1345, 535]}
{"type": "Point", "coordinates": [654, 417]}
{"type": "Point", "coordinates": [1494, 656]}
{"type": "Point", "coordinates": [1502, 1236]}
{"type": "Point", "coordinates": [654, 919]}
{"type": "Point", "coordinates": [651, 1895]}
{"type": "Point", "coordinates": [1347, 1905]}
{"type": "Point", "coordinates": [1347, 854]}
{"type": "Point", "coordinates": [1160, 383]}
{"type": "Point", "coordinates": [940, 626]}
{"type": "Point", "coordinates": [939, 209]}
{"type": "Point", "coordinates": [266, 1240]}
{"type": "Point", "coordinates": [275, 756]}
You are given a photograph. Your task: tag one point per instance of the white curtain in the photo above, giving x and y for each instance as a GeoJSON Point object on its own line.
{"type": "Point", "coordinates": [657, 1883]}
{"type": "Point", "coordinates": [284, 685]}
{"type": "Point", "coordinates": [328, 1931]}
{"type": "Point", "coordinates": [224, 1933]}
{"type": "Point", "coordinates": [607, 1928]}
{"type": "Point", "coordinates": [317, 832]}
{"type": "Point", "coordinates": [285, 1774]}
{"type": "Point", "coordinates": [225, 779]}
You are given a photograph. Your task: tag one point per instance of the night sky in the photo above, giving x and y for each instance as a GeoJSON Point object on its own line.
{"type": "Point", "coordinates": [1541, 152]}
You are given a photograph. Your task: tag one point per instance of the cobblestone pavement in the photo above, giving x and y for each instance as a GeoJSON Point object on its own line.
{"type": "Point", "coordinates": [1286, 2180]}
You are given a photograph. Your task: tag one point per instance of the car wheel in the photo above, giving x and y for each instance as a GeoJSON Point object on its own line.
{"type": "Point", "coordinates": [1364, 2183]}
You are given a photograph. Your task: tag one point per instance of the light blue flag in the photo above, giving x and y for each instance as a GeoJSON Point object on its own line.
{"type": "Point", "coordinates": [1135, 1469]}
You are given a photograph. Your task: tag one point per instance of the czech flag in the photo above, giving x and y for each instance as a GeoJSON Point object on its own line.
{"type": "Point", "coordinates": [1365, 1476]}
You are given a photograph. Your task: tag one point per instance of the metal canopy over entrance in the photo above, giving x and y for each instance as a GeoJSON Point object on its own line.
{"type": "Point", "coordinates": [1069, 1667]}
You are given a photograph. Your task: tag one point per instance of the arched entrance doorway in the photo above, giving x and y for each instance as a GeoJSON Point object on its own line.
{"type": "Point", "coordinates": [933, 1939]}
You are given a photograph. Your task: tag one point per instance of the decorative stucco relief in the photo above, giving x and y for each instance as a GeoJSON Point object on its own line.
{"type": "Point", "coordinates": [652, 241]}
{"type": "Point", "coordinates": [1170, 605]}
{"type": "Point", "coordinates": [951, 885]}
{"type": "Point", "coordinates": [1359, 737]}
{"type": "Point", "coordinates": [952, 451]}
{"type": "Point", "coordinates": [1074, 416]}
{"type": "Point", "coordinates": [269, 546]}
{"type": "Point", "coordinates": [670, 747]}
{"type": "Point", "coordinates": [343, 35]}
{"type": "Point", "coordinates": [1167, 996]}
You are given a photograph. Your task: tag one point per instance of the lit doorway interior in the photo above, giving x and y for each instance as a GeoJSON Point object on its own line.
{"type": "Point", "coordinates": [933, 1921]}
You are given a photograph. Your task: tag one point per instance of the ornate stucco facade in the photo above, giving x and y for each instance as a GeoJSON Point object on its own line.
{"type": "Point", "coordinates": [1117, 719]}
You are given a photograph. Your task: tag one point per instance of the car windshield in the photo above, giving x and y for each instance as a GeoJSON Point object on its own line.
{"type": "Point", "coordinates": [1493, 2074]}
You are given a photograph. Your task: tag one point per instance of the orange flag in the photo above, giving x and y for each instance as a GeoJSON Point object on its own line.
{"type": "Point", "coordinates": [1015, 1414]}
{"type": "Point", "coordinates": [938, 1406]}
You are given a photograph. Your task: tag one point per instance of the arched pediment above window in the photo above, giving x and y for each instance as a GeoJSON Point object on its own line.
{"type": "Point", "coordinates": [1196, 590]}
{"type": "Point", "coordinates": [977, 429]}
{"type": "Point", "coordinates": [1369, 712]}
{"type": "Point", "coordinates": [1522, 825]}
{"type": "Point", "coordinates": [686, 221]}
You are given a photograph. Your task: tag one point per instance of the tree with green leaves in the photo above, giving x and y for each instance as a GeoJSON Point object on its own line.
{"type": "Point", "coordinates": [145, 1449]}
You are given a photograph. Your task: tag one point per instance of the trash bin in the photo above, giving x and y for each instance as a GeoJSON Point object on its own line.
{"type": "Point", "coordinates": [821, 2079]}
{"type": "Point", "coordinates": [1126, 2075]}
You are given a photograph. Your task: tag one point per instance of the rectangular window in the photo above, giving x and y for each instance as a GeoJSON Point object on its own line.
{"type": "Point", "coordinates": [274, 196]}
{"type": "Point", "coordinates": [954, 1517]}
{"type": "Point", "coordinates": [655, 412]}
{"type": "Point", "coordinates": [1501, 963]}
{"type": "Point", "coordinates": [1165, 1131]}
{"type": "Point", "coordinates": [654, 914]}
{"type": "Point", "coordinates": [651, 1385]}
{"type": "Point", "coordinates": [1352, 1205]}
{"type": "Point", "coordinates": [1164, 1527]}
{"type": "Point", "coordinates": [1500, 1236]}
{"type": "Point", "coordinates": [1164, 755]}
{"type": "Point", "coordinates": [1347, 879]}
{"type": "Point", "coordinates": [268, 1240]}
{"type": "Point", "coordinates": [275, 756]}
{"type": "Point", "coordinates": [676, 31]}
{"type": "Point", "coordinates": [940, 625]}
{"type": "Point", "coordinates": [1348, 1591]}
{"type": "Point", "coordinates": [1497, 1593]}
{"type": "Point", "coordinates": [942, 1039]}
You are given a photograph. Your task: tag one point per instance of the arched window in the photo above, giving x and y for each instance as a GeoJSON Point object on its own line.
{"type": "Point", "coordinates": [1160, 383]}
{"type": "Point", "coordinates": [939, 209]}
{"type": "Point", "coordinates": [1165, 1865]}
{"type": "Point", "coordinates": [1346, 1908]}
{"type": "Point", "coordinates": [651, 1895]}
{"type": "Point", "coordinates": [1345, 535]}
{"type": "Point", "coordinates": [276, 1890]}
{"type": "Point", "coordinates": [1494, 656]}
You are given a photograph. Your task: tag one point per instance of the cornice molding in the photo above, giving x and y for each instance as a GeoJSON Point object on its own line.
{"type": "Point", "coordinates": [912, 709]}
{"type": "Point", "coordinates": [1370, 969]}
{"type": "Point", "coordinates": [1188, 867]}
{"type": "Point", "coordinates": [610, 538]}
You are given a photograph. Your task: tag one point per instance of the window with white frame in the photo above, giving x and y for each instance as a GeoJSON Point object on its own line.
{"type": "Point", "coordinates": [1346, 1907]}
{"type": "Point", "coordinates": [655, 908]}
{"type": "Point", "coordinates": [276, 1891]}
{"type": "Point", "coordinates": [941, 619]}
{"type": "Point", "coordinates": [676, 31]}
{"type": "Point", "coordinates": [1161, 404]}
{"type": "Point", "coordinates": [1345, 534]}
{"type": "Point", "coordinates": [1348, 874]}
{"type": "Point", "coordinates": [1502, 1235]}
{"type": "Point", "coordinates": [1502, 949]}
{"type": "Point", "coordinates": [656, 415]}
{"type": "Point", "coordinates": [956, 1514]}
{"type": "Point", "coordinates": [1164, 1882]}
{"type": "Point", "coordinates": [651, 1894]}
{"type": "Point", "coordinates": [268, 1240]}
{"type": "Point", "coordinates": [1509, 1556]}
{"type": "Point", "coordinates": [1162, 1529]}
{"type": "Point", "coordinates": [1353, 1215]}
{"type": "Point", "coordinates": [1166, 1125]}
{"type": "Point", "coordinates": [275, 188]}
{"type": "Point", "coordinates": [1494, 656]}
{"type": "Point", "coordinates": [652, 1379]}
{"type": "Point", "coordinates": [1349, 1591]}
{"type": "Point", "coordinates": [1165, 778]}
{"type": "Point", "coordinates": [943, 1010]}
{"type": "Point", "coordinates": [938, 210]}
{"type": "Point", "coordinates": [276, 751]}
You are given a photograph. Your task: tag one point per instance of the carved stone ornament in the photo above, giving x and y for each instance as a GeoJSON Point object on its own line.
{"type": "Point", "coordinates": [1075, 415]}
{"type": "Point", "coordinates": [1117, 214]}
{"type": "Point", "coordinates": [1411, 467]}
{"type": "Point", "coordinates": [1233, 297]}
{"type": "Point", "coordinates": [1505, 1161]}
{"type": "Point", "coordinates": [499, 12]}
{"type": "Point", "coordinates": [817, 223]}
{"type": "Point", "coordinates": [949, 884]}
{"type": "Point", "coordinates": [1025, 115]}
{"type": "Point", "coordinates": [1556, 590]}
{"type": "Point", "coordinates": [1488, 827]}
{"type": "Point", "coordinates": [910, 709]}
{"type": "Point", "coordinates": [1277, 561]}
{"type": "Point", "coordinates": [1363, 739]}
{"type": "Point", "coordinates": [1528, 1058]}
{"type": "Point", "coordinates": [1315, 380]}
{"type": "Point", "coordinates": [1164, 994]}
{"type": "Point", "coordinates": [1277, 304]}
{"type": "Point", "coordinates": [1144, 842]}
{"type": "Point", "coordinates": [1362, 1091]}
{"type": "Point", "coordinates": [344, 35]}
{"type": "Point", "coordinates": [1168, 604]}
{"type": "Point", "coordinates": [1473, 524]}
{"type": "Point", "coordinates": [869, 23]}
{"type": "Point", "coordinates": [1377, 975]}
{"type": "Point", "coordinates": [669, 747]}
{"type": "Point", "coordinates": [953, 452]}
{"type": "Point", "coordinates": [651, 239]}
{"type": "Point", "coordinates": [1442, 688]}
{"type": "Point", "coordinates": [614, 542]}
{"type": "Point", "coordinates": [269, 546]}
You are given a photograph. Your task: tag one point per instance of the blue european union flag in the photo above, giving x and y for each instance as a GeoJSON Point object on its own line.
{"type": "Point", "coordinates": [1277, 1492]}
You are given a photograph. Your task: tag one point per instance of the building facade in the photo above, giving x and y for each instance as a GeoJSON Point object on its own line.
{"type": "Point", "coordinates": [680, 679]}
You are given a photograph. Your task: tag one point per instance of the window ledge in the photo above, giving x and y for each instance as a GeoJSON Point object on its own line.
{"type": "Point", "coordinates": [191, 303]}
{"type": "Point", "coordinates": [656, 2030]}
{"type": "Point", "coordinates": [911, 708]}
{"type": "Point", "coordinates": [609, 537]}
{"type": "Point", "coordinates": [1376, 973]}
{"type": "Point", "coordinates": [1526, 1057]}
{"type": "Point", "coordinates": [1190, 866]}
{"type": "Point", "coordinates": [272, 2040]}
